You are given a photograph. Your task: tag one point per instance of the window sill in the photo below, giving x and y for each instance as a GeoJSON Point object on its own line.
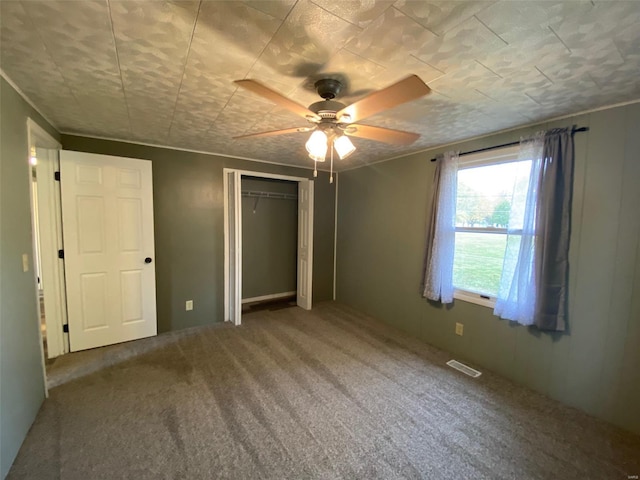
{"type": "Point", "coordinates": [473, 297]}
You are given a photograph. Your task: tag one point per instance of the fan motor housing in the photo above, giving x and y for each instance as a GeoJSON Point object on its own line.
{"type": "Point", "coordinates": [328, 88]}
{"type": "Point", "coordinates": [326, 109]}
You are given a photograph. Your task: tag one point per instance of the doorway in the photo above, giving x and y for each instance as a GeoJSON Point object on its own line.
{"type": "Point", "coordinates": [233, 211]}
{"type": "Point", "coordinates": [269, 242]}
{"type": "Point", "coordinates": [47, 239]}
{"type": "Point", "coordinates": [100, 288]}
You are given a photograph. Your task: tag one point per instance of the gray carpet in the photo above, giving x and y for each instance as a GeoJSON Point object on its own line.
{"type": "Point", "coordinates": [293, 394]}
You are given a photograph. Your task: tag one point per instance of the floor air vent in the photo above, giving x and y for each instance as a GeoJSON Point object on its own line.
{"type": "Point", "coordinates": [463, 368]}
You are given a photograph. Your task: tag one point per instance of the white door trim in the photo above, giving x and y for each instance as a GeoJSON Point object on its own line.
{"type": "Point", "coordinates": [335, 240]}
{"type": "Point", "coordinates": [238, 228]}
{"type": "Point", "coordinates": [232, 263]}
{"type": "Point", "coordinates": [38, 137]}
{"type": "Point", "coordinates": [304, 267]}
{"type": "Point", "coordinates": [52, 267]}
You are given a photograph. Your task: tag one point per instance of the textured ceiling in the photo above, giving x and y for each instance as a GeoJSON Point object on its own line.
{"type": "Point", "coordinates": [162, 72]}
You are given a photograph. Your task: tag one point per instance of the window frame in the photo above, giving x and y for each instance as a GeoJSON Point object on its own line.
{"type": "Point", "coordinates": [474, 160]}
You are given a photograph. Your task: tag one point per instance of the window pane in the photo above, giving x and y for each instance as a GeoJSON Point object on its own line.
{"type": "Point", "coordinates": [477, 262]}
{"type": "Point", "coordinates": [485, 193]}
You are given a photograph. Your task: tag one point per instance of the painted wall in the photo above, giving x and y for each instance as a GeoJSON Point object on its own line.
{"type": "Point", "coordinates": [21, 380]}
{"type": "Point", "coordinates": [595, 365]}
{"type": "Point", "coordinates": [189, 228]}
{"type": "Point", "coordinates": [269, 238]}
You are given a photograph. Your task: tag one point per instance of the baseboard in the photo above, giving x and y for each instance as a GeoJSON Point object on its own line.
{"type": "Point", "coordinates": [273, 296]}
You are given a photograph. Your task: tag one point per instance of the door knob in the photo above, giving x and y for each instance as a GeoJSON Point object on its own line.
{"type": "Point", "coordinates": [148, 260]}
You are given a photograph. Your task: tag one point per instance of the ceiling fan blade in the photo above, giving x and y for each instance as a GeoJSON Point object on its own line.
{"type": "Point", "coordinates": [403, 91]}
{"type": "Point", "coordinates": [275, 132]}
{"type": "Point", "coordinates": [380, 134]}
{"type": "Point", "coordinates": [277, 98]}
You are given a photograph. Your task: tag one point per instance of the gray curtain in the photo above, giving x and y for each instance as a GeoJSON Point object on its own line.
{"type": "Point", "coordinates": [438, 268]}
{"type": "Point", "coordinates": [431, 223]}
{"type": "Point", "coordinates": [553, 230]}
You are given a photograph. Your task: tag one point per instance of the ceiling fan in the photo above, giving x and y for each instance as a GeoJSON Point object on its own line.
{"type": "Point", "coordinates": [331, 122]}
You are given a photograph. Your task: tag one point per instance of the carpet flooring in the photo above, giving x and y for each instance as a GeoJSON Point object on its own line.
{"type": "Point", "coordinates": [291, 394]}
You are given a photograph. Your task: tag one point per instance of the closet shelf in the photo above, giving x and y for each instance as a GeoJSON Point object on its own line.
{"type": "Point", "coordinates": [258, 194]}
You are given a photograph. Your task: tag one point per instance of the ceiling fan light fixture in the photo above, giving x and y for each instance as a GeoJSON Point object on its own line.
{"type": "Point", "coordinates": [343, 146]}
{"type": "Point", "coordinates": [317, 145]}
{"type": "Point", "coordinates": [317, 158]}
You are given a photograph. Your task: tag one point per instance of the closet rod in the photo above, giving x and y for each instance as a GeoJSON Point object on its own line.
{"type": "Point", "coordinates": [510, 144]}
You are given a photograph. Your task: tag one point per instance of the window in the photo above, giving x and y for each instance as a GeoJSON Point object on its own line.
{"type": "Point", "coordinates": [491, 190]}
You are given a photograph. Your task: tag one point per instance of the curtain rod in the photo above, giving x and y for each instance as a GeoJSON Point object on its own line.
{"type": "Point", "coordinates": [510, 144]}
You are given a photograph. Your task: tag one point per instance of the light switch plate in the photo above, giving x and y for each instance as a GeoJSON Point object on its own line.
{"type": "Point", "coordinates": [25, 262]}
{"type": "Point", "coordinates": [188, 305]}
{"type": "Point", "coordinates": [459, 329]}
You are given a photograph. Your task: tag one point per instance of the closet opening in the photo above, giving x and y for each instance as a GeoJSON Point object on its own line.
{"type": "Point", "coordinates": [276, 264]}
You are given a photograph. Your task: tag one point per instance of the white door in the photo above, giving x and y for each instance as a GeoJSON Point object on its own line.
{"type": "Point", "coordinates": [305, 243]}
{"type": "Point", "coordinates": [233, 247]}
{"type": "Point", "coordinates": [107, 218]}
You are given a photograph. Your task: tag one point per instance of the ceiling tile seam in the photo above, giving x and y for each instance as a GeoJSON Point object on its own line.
{"type": "Point", "coordinates": [44, 44]}
{"type": "Point", "coordinates": [474, 15]}
{"type": "Point", "coordinates": [221, 111]}
{"type": "Point", "coordinates": [282, 22]}
{"type": "Point", "coordinates": [623, 57]}
{"type": "Point", "coordinates": [270, 15]}
{"type": "Point", "coordinates": [428, 65]}
{"type": "Point", "coordinates": [26, 98]}
{"type": "Point", "coordinates": [485, 95]}
{"type": "Point", "coordinates": [184, 69]}
{"type": "Point", "coordinates": [438, 92]}
{"type": "Point", "coordinates": [543, 74]}
{"type": "Point", "coordinates": [558, 37]}
{"type": "Point", "coordinates": [490, 29]}
{"type": "Point", "coordinates": [115, 48]}
{"type": "Point", "coordinates": [536, 101]}
{"type": "Point", "coordinates": [597, 84]}
{"type": "Point", "coordinates": [366, 59]}
{"type": "Point", "coordinates": [190, 150]}
{"type": "Point", "coordinates": [355, 54]}
{"type": "Point", "coordinates": [342, 18]}
{"type": "Point", "coordinates": [499, 132]}
{"type": "Point", "coordinates": [414, 21]}
{"type": "Point", "coordinates": [484, 66]}
{"type": "Point", "coordinates": [335, 15]}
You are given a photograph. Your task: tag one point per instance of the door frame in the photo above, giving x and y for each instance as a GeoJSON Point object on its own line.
{"type": "Point", "coordinates": [37, 138]}
{"type": "Point", "coordinates": [237, 260]}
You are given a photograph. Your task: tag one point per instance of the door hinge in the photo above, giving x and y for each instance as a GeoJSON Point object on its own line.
{"type": "Point", "coordinates": [65, 328]}
{"type": "Point", "coordinates": [60, 253]}
{"type": "Point", "coordinates": [56, 176]}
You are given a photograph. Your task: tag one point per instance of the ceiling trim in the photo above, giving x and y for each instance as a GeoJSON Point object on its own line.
{"type": "Point", "coordinates": [4, 75]}
{"type": "Point", "coordinates": [497, 132]}
{"type": "Point", "coordinates": [26, 98]}
{"type": "Point", "coordinates": [180, 149]}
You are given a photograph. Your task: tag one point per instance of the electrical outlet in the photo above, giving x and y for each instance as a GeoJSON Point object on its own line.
{"type": "Point", "coordinates": [25, 262]}
{"type": "Point", "coordinates": [459, 329]}
{"type": "Point", "coordinates": [188, 305]}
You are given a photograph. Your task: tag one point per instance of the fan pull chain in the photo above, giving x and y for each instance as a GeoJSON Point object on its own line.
{"type": "Point", "coordinates": [331, 177]}
{"type": "Point", "coordinates": [315, 168]}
